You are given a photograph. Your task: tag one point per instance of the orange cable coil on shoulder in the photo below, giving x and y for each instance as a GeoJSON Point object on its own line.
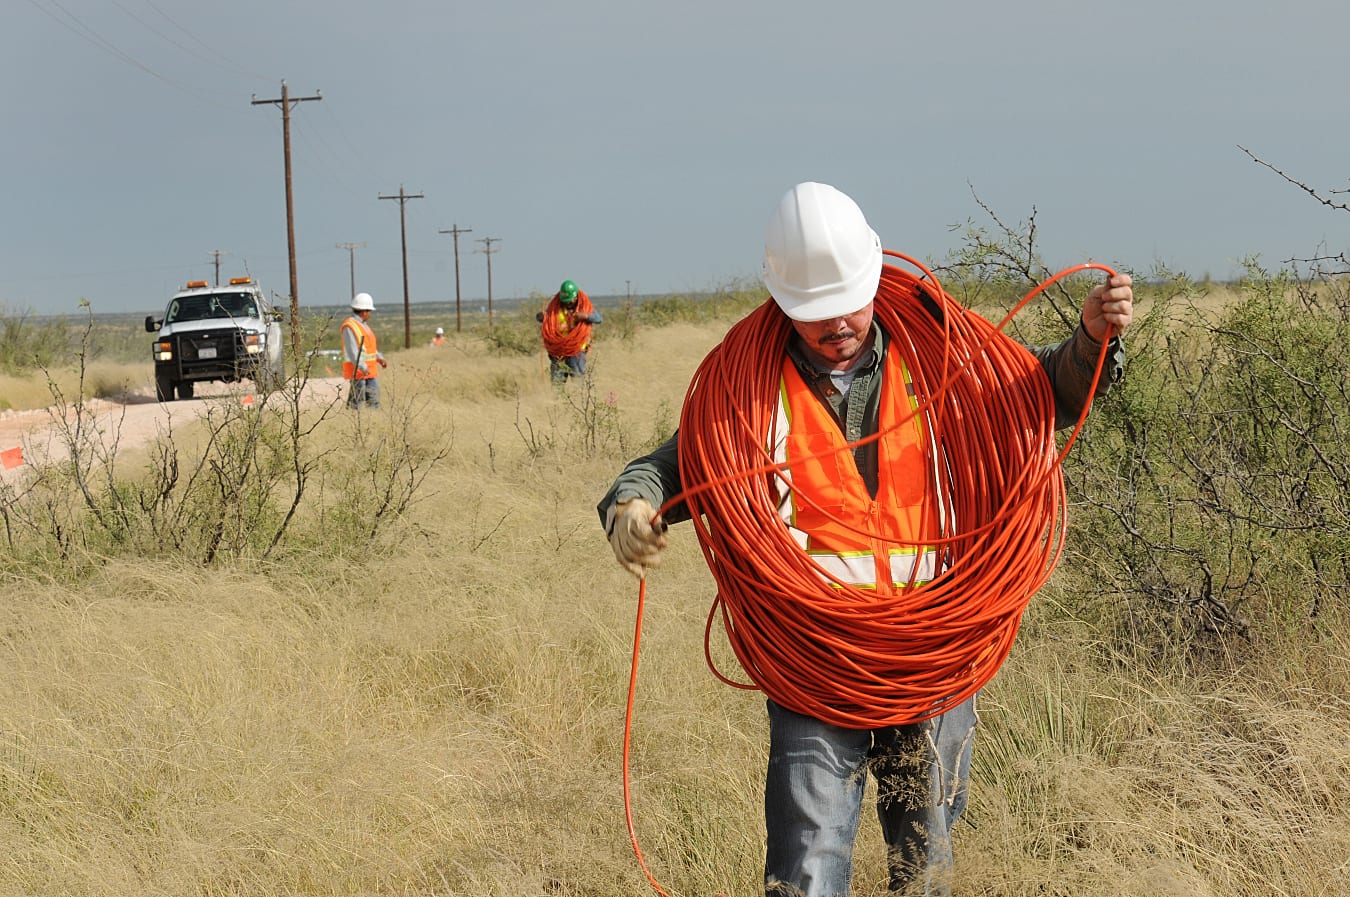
{"type": "Point", "coordinates": [869, 657]}
{"type": "Point", "coordinates": [563, 335]}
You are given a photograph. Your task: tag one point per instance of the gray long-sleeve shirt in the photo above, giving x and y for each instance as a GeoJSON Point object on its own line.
{"type": "Point", "coordinates": [655, 477]}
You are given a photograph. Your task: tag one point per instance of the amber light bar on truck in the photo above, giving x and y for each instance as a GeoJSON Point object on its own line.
{"type": "Point", "coordinates": [236, 281]}
{"type": "Point", "coordinates": [196, 284]}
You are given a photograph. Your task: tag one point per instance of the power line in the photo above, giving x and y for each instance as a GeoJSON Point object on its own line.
{"type": "Point", "coordinates": [321, 150]}
{"type": "Point", "coordinates": [167, 39]}
{"type": "Point", "coordinates": [76, 26]}
{"type": "Point", "coordinates": [342, 135]}
{"type": "Point", "coordinates": [210, 50]}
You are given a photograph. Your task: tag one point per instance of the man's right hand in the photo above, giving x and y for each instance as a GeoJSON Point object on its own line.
{"type": "Point", "coordinates": [637, 536]}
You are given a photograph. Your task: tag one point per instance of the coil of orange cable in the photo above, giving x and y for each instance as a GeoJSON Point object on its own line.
{"type": "Point", "coordinates": [852, 656]}
{"type": "Point", "coordinates": [564, 336]}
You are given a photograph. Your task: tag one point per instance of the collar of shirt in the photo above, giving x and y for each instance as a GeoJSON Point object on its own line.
{"type": "Point", "coordinates": [863, 376]}
{"type": "Point", "coordinates": [857, 412]}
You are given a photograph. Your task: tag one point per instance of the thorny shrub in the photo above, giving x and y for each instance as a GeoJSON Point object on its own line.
{"type": "Point", "coordinates": [1211, 489]}
{"type": "Point", "coordinates": [1214, 486]}
{"type": "Point", "coordinates": [250, 480]}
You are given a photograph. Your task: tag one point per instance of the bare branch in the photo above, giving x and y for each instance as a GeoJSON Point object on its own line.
{"type": "Point", "coordinates": [1344, 207]}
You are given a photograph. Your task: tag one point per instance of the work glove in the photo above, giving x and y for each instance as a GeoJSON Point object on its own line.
{"type": "Point", "coordinates": [637, 535]}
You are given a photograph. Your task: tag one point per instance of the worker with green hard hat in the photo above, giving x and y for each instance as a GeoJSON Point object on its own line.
{"type": "Point", "coordinates": [566, 331]}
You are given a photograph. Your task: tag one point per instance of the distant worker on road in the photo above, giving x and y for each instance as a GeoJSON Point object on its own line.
{"type": "Point", "coordinates": [361, 358]}
{"type": "Point", "coordinates": [439, 338]}
{"type": "Point", "coordinates": [566, 331]}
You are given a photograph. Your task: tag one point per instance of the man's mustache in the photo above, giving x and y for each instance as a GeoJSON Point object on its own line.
{"type": "Point", "coordinates": [838, 337]}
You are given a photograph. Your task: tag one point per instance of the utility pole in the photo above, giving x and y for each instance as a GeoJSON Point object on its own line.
{"type": "Point", "coordinates": [215, 257]}
{"type": "Point", "coordinates": [488, 250]}
{"type": "Point", "coordinates": [285, 103]}
{"type": "Point", "coordinates": [457, 230]}
{"type": "Point", "coordinates": [403, 235]}
{"type": "Point", "coordinates": [351, 252]}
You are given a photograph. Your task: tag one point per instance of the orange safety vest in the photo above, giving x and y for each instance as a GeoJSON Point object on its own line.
{"type": "Point", "coordinates": [437, 340]}
{"type": "Point", "coordinates": [366, 348]}
{"type": "Point", "coordinates": [884, 543]}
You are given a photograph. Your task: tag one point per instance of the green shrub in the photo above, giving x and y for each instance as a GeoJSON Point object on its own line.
{"type": "Point", "coordinates": [27, 343]}
{"type": "Point", "coordinates": [727, 304]}
{"type": "Point", "coordinates": [1212, 488]}
{"type": "Point", "coordinates": [517, 334]}
{"type": "Point", "coordinates": [250, 481]}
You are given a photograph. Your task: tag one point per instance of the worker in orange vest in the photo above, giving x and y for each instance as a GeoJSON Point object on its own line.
{"type": "Point", "coordinates": [361, 358]}
{"type": "Point", "coordinates": [438, 338]}
{"type": "Point", "coordinates": [566, 331]}
{"type": "Point", "coordinates": [855, 515]}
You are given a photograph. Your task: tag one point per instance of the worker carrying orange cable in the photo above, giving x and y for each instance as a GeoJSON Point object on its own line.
{"type": "Point", "coordinates": [872, 474]}
{"type": "Point", "coordinates": [566, 323]}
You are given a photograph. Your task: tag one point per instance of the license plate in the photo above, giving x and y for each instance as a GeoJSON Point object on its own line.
{"type": "Point", "coordinates": [206, 352]}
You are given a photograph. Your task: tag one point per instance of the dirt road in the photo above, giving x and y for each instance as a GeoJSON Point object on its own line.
{"type": "Point", "coordinates": [129, 422]}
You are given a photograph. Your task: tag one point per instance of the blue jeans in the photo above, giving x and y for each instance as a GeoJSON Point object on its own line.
{"type": "Point", "coordinates": [814, 790]}
{"type": "Point", "coordinates": [364, 392]}
{"type": "Point", "coordinates": [560, 369]}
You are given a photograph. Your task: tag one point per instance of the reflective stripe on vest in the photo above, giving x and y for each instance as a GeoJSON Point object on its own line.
{"type": "Point", "coordinates": [860, 568]}
{"type": "Point", "coordinates": [853, 538]}
{"type": "Point", "coordinates": [364, 366]}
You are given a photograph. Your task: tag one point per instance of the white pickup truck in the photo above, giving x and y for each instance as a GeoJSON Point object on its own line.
{"type": "Point", "coordinates": [224, 333]}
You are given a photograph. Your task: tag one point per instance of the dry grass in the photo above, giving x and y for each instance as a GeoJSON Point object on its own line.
{"type": "Point", "coordinates": [1225, 783]}
{"type": "Point", "coordinates": [447, 718]}
{"type": "Point", "coordinates": [104, 380]}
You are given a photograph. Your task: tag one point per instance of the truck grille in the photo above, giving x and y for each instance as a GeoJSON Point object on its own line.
{"type": "Point", "coordinates": [223, 345]}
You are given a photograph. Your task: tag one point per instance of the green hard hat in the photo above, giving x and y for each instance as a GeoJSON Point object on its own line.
{"type": "Point", "coordinates": [567, 293]}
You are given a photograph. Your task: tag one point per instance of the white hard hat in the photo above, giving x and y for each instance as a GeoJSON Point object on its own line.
{"type": "Point", "coordinates": [363, 302]}
{"type": "Point", "coordinates": [821, 259]}
{"type": "Point", "coordinates": [440, 330]}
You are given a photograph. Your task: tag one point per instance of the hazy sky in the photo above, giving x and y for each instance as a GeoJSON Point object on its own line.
{"type": "Point", "coordinates": [627, 144]}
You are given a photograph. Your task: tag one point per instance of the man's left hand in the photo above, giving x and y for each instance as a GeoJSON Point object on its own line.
{"type": "Point", "coordinates": [1110, 304]}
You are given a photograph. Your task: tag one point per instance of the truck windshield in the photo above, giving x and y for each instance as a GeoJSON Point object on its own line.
{"type": "Point", "coordinates": [211, 305]}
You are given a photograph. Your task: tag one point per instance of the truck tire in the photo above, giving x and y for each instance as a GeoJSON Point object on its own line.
{"type": "Point", "coordinates": [164, 387]}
